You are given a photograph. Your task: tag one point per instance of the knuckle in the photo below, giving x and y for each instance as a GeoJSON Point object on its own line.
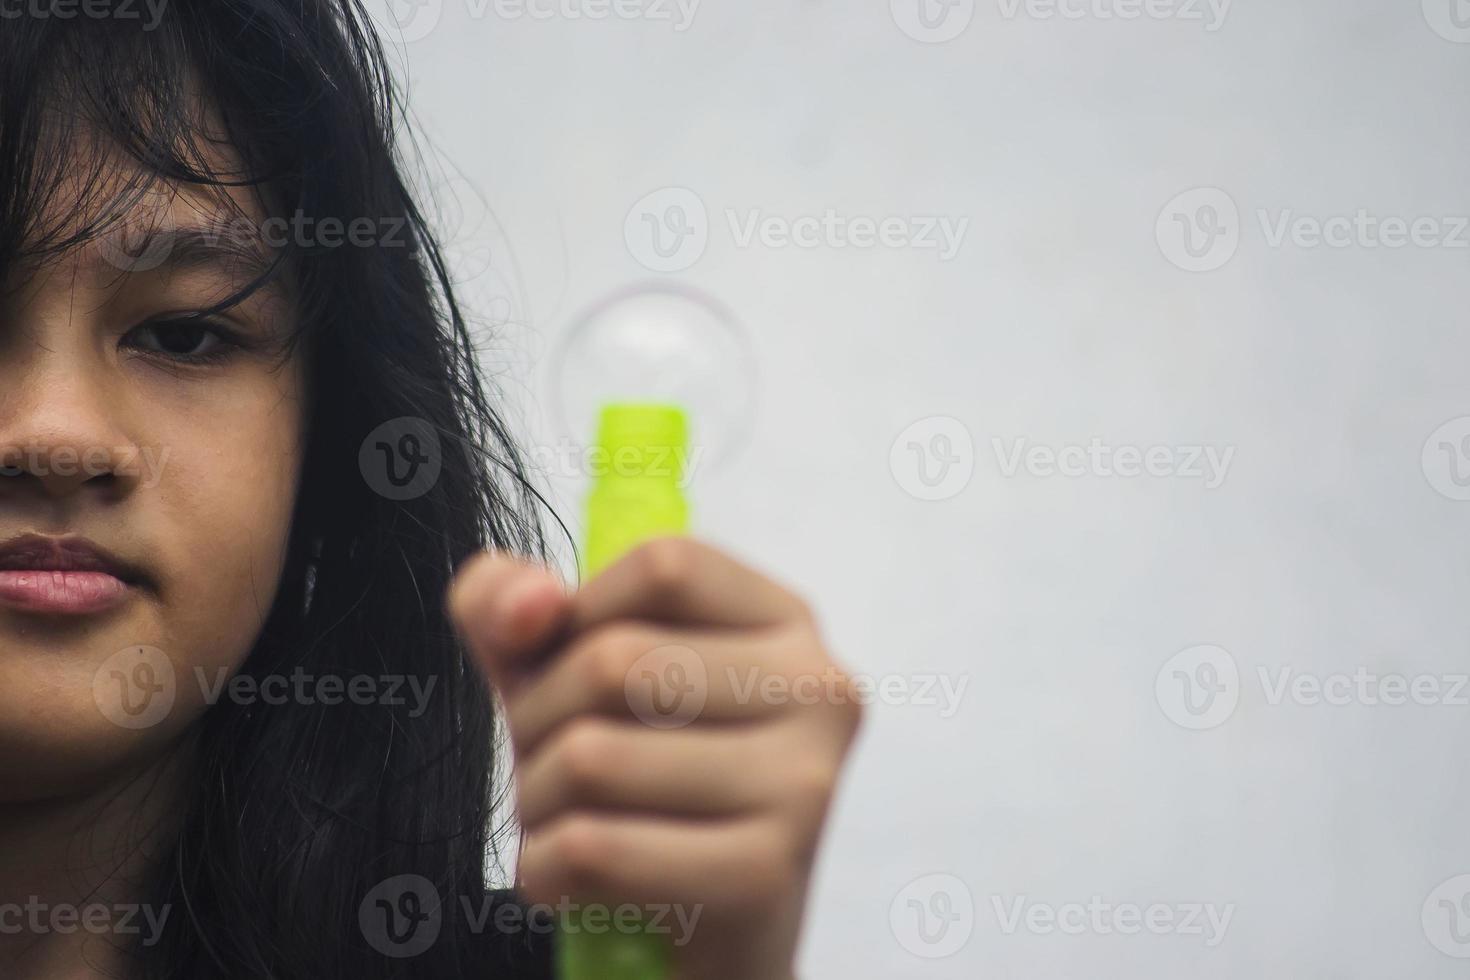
{"type": "Point", "coordinates": [536, 878]}
{"type": "Point", "coordinates": [801, 647]}
{"type": "Point", "coordinates": [659, 658]}
{"type": "Point", "coordinates": [797, 609]}
{"type": "Point", "coordinates": [765, 874]}
{"type": "Point", "coordinates": [667, 564]}
{"type": "Point", "coordinates": [850, 707]}
{"type": "Point", "coordinates": [611, 653]}
{"type": "Point", "coordinates": [848, 703]}
{"type": "Point", "coordinates": [813, 786]}
{"type": "Point", "coordinates": [584, 755]}
{"type": "Point", "coordinates": [854, 714]}
{"type": "Point", "coordinates": [580, 850]}
{"type": "Point", "coordinates": [518, 721]}
{"type": "Point", "coordinates": [802, 610]}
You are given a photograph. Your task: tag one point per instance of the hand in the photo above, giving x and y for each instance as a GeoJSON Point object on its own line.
{"type": "Point", "coordinates": [678, 730]}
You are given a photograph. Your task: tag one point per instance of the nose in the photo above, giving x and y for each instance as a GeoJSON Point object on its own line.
{"type": "Point", "coordinates": [61, 438]}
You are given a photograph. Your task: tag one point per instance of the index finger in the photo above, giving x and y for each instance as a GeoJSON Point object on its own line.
{"type": "Point", "coordinates": [681, 580]}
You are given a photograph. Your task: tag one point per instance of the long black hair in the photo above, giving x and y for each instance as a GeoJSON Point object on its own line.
{"type": "Point", "coordinates": [294, 813]}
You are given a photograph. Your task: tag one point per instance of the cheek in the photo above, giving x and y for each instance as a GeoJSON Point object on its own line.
{"type": "Point", "coordinates": [226, 501]}
{"type": "Point", "coordinates": [217, 488]}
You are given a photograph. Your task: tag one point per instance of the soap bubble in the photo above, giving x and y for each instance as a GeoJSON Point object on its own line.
{"type": "Point", "coordinates": [657, 343]}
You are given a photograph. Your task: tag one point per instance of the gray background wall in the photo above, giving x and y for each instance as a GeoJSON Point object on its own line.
{"type": "Point", "coordinates": [1135, 267]}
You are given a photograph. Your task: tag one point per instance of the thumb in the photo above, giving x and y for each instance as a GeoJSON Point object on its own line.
{"type": "Point", "coordinates": [507, 611]}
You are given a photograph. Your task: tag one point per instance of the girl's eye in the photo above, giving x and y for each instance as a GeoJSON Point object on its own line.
{"type": "Point", "coordinates": [183, 340]}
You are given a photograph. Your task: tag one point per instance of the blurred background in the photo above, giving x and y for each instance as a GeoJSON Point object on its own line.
{"type": "Point", "coordinates": [1098, 369]}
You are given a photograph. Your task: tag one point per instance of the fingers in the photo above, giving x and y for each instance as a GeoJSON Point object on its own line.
{"type": "Point", "coordinates": [510, 611]}
{"type": "Point", "coordinates": [662, 677]}
{"type": "Point", "coordinates": [678, 729]}
{"type": "Point", "coordinates": [682, 580]}
{"type": "Point", "coordinates": [602, 858]}
{"type": "Point", "coordinates": [603, 765]}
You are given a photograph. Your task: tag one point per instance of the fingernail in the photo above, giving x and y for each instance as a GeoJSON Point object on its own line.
{"type": "Point", "coordinates": [520, 604]}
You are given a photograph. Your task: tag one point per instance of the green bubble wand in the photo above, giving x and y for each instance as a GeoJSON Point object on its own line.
{"type": "Point", "coordinates": [636, 495]}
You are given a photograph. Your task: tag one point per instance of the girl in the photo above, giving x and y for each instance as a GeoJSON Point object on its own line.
{"type": "Point", "coordinates": [245, 724]}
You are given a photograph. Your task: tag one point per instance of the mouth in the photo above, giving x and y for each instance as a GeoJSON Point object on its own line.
{"type": "Point", "coordinates": [68, 576]}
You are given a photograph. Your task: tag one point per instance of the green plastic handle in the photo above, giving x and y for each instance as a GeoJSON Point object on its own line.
{"type": "Point", "coordinates": [637, 491]}
{"type": "Point", "coordinates": [637, 494]}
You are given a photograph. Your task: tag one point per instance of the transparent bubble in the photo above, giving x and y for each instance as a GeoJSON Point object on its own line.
{"type": "Point", "coordinates": [658, 343]}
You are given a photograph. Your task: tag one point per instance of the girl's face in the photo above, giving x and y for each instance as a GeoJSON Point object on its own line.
{"type": "Point", "coordinates": [175, 449]}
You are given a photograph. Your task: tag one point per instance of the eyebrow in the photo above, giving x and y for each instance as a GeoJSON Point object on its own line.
{"type": "Point", "coordinates": [161, 253]}
{"type": "Point", "coordinates": [191, 249]}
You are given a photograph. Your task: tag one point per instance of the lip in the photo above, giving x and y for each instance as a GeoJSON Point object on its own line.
{"type": "Point", "coordinates": [64, 576]}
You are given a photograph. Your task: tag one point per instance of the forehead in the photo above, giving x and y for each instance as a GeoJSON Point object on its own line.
{"type": "Point", "coordinates": [102, 185]}
{"type": "Point", "coordinates": [108, 214]}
